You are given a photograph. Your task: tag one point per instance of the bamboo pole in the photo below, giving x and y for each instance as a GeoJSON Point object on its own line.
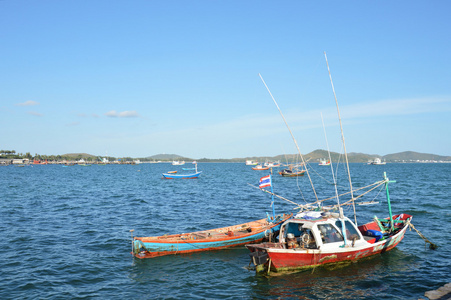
{"type": "Point", "coordinates": [292, 136]}
{"type": "Point", "coordinates": [342, 138]}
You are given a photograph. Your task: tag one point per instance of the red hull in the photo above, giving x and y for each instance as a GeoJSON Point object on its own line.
{"type": "Point", "coordinates": [292, 261]}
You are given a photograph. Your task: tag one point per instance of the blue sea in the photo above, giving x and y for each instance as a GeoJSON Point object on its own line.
{"type": "Point", "coordinates": [65, 232]}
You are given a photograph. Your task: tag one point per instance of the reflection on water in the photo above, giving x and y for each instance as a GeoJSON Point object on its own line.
{"type": "Point", "coordinates": [358, 280]}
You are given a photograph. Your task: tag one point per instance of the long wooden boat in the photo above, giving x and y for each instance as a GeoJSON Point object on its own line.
{"type": "Point", "coordinates": [310, 240]}
{"type": "Point", "coordinates": [213, 239]}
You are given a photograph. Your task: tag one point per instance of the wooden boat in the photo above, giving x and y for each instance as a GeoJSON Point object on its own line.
{"type": "Point", "coordinates": [305, 242]}
{"type": "Point", "coordinates": [213, 239]}
{"type": "Point", "coordinates": [291, 173]}
{"type": "Point", "coordinates": [318, 236]}
{"type": "Point", "coordinates": [181, 176]}
{"type": "Point", "coordinates": [260, 168]}
{"type": "Point", "coordinates": [172, 175]}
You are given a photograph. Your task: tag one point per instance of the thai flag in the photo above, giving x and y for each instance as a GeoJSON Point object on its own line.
{"type": "Point", "coordinates": [265, 181]}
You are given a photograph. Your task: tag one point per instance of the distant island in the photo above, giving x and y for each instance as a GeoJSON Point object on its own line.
{"type": "Point", "coordinates": [10, 156]}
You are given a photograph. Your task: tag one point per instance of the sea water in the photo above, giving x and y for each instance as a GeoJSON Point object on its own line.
{"type": "Point", "coordinates": [65, 232]}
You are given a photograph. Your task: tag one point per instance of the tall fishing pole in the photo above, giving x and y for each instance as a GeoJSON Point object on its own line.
{"type": "Point", "coordinates": [342, 139]}
{"type": "Point", "coordinates": [335, 184]}
{"type": "Point", "coordinates": [292, 136]}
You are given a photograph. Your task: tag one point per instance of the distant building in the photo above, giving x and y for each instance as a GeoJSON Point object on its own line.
{"type": "Point", "coordinates": [20, 161]}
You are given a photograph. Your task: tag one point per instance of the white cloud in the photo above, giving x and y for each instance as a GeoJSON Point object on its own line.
{"type": "Point", "coordinates": [34, 113]}
{"type": "Point", "coordinates": [123, 114]}
{"type": "Point", "coordinates": [28, 103]}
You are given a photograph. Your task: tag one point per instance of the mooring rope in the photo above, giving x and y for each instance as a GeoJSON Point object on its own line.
{"type": "Point", "coordinates": [432, 246]}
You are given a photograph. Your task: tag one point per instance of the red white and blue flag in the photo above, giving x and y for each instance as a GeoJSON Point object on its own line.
{"type": "Point", "coordinates": [265, 181]}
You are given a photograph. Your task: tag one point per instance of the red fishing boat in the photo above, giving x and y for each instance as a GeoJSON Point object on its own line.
{"type": "Point", "coordinates": [316, 238]}
{"type": "Point", "coordinates": [322, 235]}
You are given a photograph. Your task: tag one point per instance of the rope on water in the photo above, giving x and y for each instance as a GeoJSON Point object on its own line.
{"type": "Point", "coordinates": [432, 246]}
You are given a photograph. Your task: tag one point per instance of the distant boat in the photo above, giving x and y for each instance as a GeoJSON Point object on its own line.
{"type": "Point", "coordinates": [178, 163]}
{"type": "Point", "coordinates": [206, 240]}
{"type": "Point", "coordinates": [272, 164]}
{"type": "Point", "coordinates": [251, 162]}
{"type": "Point", "coordinates": [260, 167]}
{"type": "Point", "coordinates": [324, 162]}
{"type": "Point", "coordinates": [292, 171]}
{"type": "Point", "coordinates": [377, 161]}
{"type": "Point", "coordinates": [172, 175]}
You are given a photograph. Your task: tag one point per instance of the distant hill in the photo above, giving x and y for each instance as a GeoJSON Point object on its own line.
{"type": "Point", "coordinates": [415, 156]}
{"type": "Point", "coordinates": [353, 157]}
{"type": "Point", "coordinates": [79, 155]}
{"type": "Point", "coordinates": [314, 156]}
{"type": "Point", "coordinates": [168, 157]}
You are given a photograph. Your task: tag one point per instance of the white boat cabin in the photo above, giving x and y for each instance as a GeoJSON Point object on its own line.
{"type": "Point", "coordinates": [319, 230]}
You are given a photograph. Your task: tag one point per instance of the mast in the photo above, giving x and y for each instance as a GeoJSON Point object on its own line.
{"type": "Point", "coordinates": [342, 139]}
{"type": "Point", "coordinates": [343, 229]}
{"type": "Point", "coordinates": [292, 136]}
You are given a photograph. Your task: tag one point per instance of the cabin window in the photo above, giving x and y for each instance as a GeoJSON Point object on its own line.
{"type": "Point", "coordinates": [351, 232]}
{"type": "Point", "coordinates": [329, 234]}
{"type": "Point", "coordinates": [293, 228]}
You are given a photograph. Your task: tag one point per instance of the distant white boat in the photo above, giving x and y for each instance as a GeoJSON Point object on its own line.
{"type": "Point", "coordinates": [377, 161]}
{"type": "Point", "coordinates": [178, 163]}
{"type": "Point", "coordinates": [324, 162]}
{"type": "Point", "coordinates": [251, 162]}
{"type": "Point", "coordinates": [272, 164]}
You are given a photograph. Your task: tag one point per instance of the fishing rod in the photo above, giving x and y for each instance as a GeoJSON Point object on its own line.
{"type": "Point", "coordinates": [292, 136]}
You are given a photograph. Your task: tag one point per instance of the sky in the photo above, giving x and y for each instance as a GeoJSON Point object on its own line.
{"type": "Point", "coordinates": [140, 78]}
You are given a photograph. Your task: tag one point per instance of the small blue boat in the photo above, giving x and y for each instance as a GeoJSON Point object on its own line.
{"type": "Point", "coordinates": [181, 176]}
{"type": "Point", "coordinates": [172, 175]}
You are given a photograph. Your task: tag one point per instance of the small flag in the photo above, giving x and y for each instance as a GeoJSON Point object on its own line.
{"type": "Point", "coordinates": [265, 181]}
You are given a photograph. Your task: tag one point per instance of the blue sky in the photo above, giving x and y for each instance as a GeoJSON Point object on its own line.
{"type": "Point", "coordinates": [139, 78]}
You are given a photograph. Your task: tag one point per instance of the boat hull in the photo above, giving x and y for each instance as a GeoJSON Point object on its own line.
{"type": "Point", "coordinates": [214, 239]}
{"type": "Point", "coordinates": [276, 257]}
{"type": "Point", "coordinates": [181, 176]}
